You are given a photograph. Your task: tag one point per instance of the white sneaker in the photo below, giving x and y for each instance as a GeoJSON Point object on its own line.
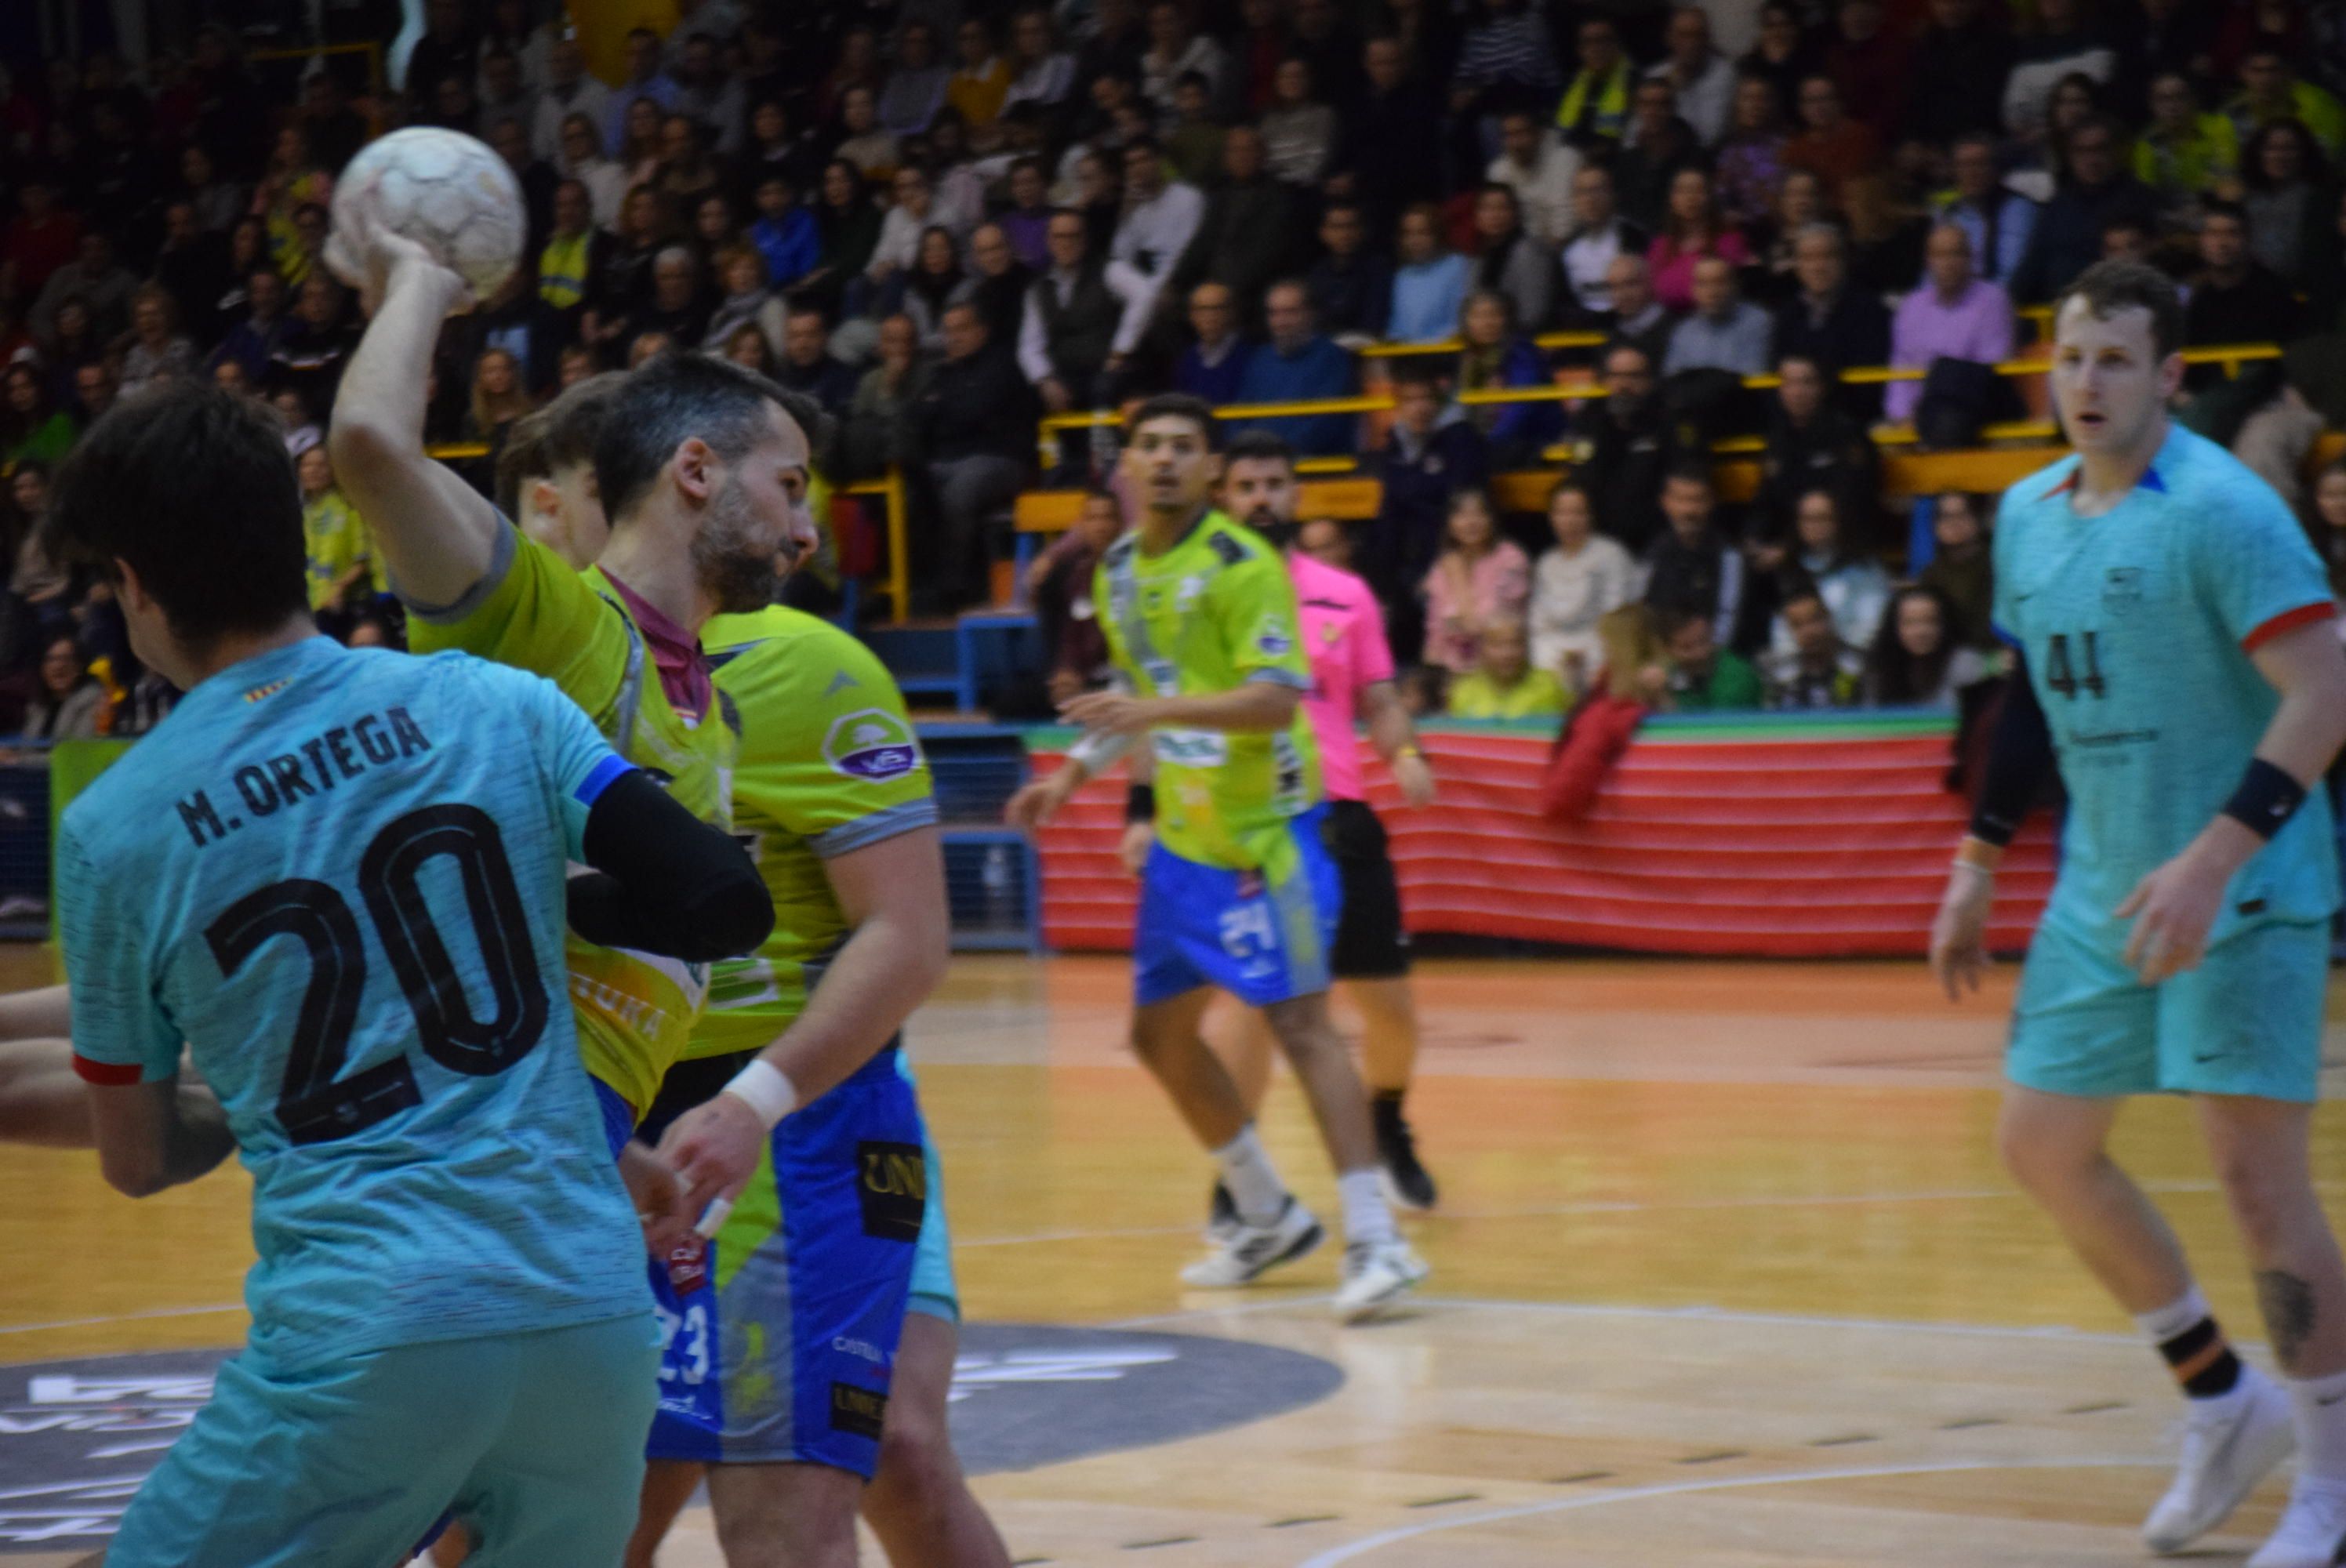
{"type": "Point", "coordinates": [1376, 1274]}
{"type": "Point", "coordinates": [2228, 1446]}
{"type": "Point", "coordinates": [1246, 1252]}
{"type": "Point", "coordinates": [2312, 1529]}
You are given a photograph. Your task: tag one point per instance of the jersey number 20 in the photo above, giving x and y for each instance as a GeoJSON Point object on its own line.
{"type": "Point", "coordinates": [312, 1106]}
{"type": "Point", "coordinates": [2061, 677]}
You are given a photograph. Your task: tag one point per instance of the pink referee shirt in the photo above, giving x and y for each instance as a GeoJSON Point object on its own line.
{"type": "Point", "coordinates": [1345, 634]}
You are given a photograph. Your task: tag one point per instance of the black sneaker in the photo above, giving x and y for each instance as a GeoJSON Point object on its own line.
{"type": "Point", "coordinates": [1407, 1184]}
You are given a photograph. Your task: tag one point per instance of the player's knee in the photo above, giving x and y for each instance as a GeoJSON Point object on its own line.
{"type": "Point", "coordinates": [2044, 1159]}
{"type": "Point", "coordinates": [2266, 1199]}
{"type": "Point", "coordinates": [917, 1467]}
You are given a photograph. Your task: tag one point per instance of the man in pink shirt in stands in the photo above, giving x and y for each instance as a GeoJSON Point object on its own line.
{"type": "Point", "coordinates": [1352, 675]}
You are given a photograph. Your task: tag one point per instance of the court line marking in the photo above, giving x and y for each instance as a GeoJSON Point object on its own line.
{"type": "Point", "coordinates": [149, 1315]}
{"type": "Point", "coordinates": [1368, 1544]}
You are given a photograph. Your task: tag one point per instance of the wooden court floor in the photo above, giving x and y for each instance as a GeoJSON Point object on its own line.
{"type": "Point", "coordinates": [1726, 1274]}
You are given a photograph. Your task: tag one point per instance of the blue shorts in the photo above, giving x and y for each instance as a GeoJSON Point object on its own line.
{"type": "Point", "coordinates": [1262, 935]}
{"type": "Point", "coordinates": [346, 1465]}
{"type": "Point", "coordinates": [2247, 1020]}
{"type": "Point", "coordinates": [781, 1332]}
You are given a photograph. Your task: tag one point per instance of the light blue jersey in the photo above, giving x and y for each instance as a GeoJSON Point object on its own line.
{"type": "Point", "coordinates": [2137, 626]}
{"type": "Point", "coordinates": [337, 876]}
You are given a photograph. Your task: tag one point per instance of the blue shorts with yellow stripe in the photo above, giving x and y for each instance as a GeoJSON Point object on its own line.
{"type": "Point", "coordinates": [781, 1332]}
{"type": "Point", "coordinates": [1262, 935]}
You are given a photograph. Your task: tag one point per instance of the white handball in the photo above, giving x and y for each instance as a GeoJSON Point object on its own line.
{"type": "Point", "coordinates": [444, 190]}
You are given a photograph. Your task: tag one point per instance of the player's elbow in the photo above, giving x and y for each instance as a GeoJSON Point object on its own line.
{"type": "Point", "coordinates": [364, 447]}
{"type": "Point", "coordinates": [131, 1171]}
{"type": "Point", "coordinates": [1277, 704]}
{"type": "Point", "coordinates": [733, 915]}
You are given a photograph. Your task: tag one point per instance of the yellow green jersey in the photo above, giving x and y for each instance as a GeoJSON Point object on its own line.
{"type": "Point", "coordinates": [1213, 612]}
{"type": "Point", "coordinates": [635, 1010]}
{"type": "Point", "coordinates": [334, 540]}
{"type": "Point", "coordinates": [829, 764]}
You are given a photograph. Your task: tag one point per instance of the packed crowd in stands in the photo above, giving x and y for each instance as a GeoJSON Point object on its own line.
{"type": "Point", "coordinates": [944, 218]}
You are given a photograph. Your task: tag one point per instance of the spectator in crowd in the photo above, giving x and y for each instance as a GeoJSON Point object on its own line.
{"type": "Point", "coordinates": [1299, 131]}
{"type": "Point", "coordinates": [980, 84]}
{"type": "Point", "coordinates": [2183, 153]}
{"type": "Point", "coordinates": [1868, 61]}
{"type": "Point", "coordinates": [1601, 235]}
{"type": "Point", "coordinates": [1917, 659]}
{"type": "Point", "coordinates": [500, 397]}
{"type": "Point", "coordinates": [341, 554]}
{"type": "Point", "coordinates": [641, 150]}
{"type": "Point", "coordinates": [32, 428]}
{"type": "Point", "coordinates": [1390, 146]}
{"type": "Point", "coordinates": [1690, 568]}
{"type": "Point", "coordinates": [1083, 320]}
{"type": "Point", "coordinates": [2291, 201]}
{"type": "Point", "coordinates": [1831, 321]}
{"type": "Point", "coordinates": [1800, 203]}
{"type": "Point", "coordinates": [1659, 149]}
{"type": "Point", "coordinates": [1494, 356]}
{"type": "Point", "coordinates": [251, 341]}
{"type": "Point", "coordinates": [785, 234]}
{"type": "Point", "coordinates": [847, 229]}
{"type": "Point", "coordinates": [1160, 216]}
{"type": "Point", "coordinates": [807, 363]}
{"type": "Point", "coordinates": [1725, 332]}
{"type": "Point", "coordinates": [646, 80]}
{"type": "Point", "coordinates": [1431, 282]}
{"type": "Point", "coordinates": [1481, 579]}
{"type": "Point", "coordinates": [747, 301]}
{"type": "Point", "coordinates": [778, 145]}
{"type": "Point", "coordinates": [901, 226]}
{"type": "Point", "coordinates": [1350, 287]}
{"type": "Point", "coordinates": [916, 83]}
{"type": "Point", "coordinates": [95, 390]}
{"type": "Point", "coordinates": [1839, 150]}
{"type": "Point", "coordinates": [2271, 91]}
{"type": "Point", "coordinates": [1194, 145]}
{"type": "Point", "coordinates": [1961, 568]}
{"type": "Point", "coordinates": [1297, 364]}
{"type": "Point", "coordinates": [191, 266]}
{"type": "Point", "coordinates": [1213, 364]}
{"type": "Point", "coordinates": [41, 586]}
{"type": "Point", "coordinates": [1059, 583]}
{"type": "Point", "coordinates": [1579, 580]}
{"type": "Point", "coordinates": [2234, 298]}
{"type": "Point", "coordinates": [1811, 442]}
{"type": "Point", "coordinates": [503, 96]}
{"type": "Point", "coordinates": [1426, 456]}
{"type": "Point", "coordinates": [1504, 682]}
{"type": "Point", "coordinates": [936, 283]}
{"type": "Point", "coordinates": [1998, 223]}
{"type": "Point", "coordinates": [95, 279]}
{"type": "Point", "coordinates": [159, 350]}
{"type": "Point", "coordinates": [1953, 316]}
{"type": "Point", "coordinates": [1629, 449]}
{"type": "Point", "coordinates": [1593, 115]}
{"type": "Point", "coordinates": [2068, 237]}
{"type": "Point", "coordinates": [1750, 167]}
{"type": "Point", "coordinates": [1702, 80]}
{"type": "Point", "coordinates": [1174, 49]}
{"type": "Point", "coordinates": [581, 159]}
{"type": "Point", "coordinates": [1815, 668]}
{"type": "Point", "coordinates": [1692, 231]}
{"type": "Point", "coordinates": [868, 145]}
{"type": "Point", "coordinates": [678, 308]}
{"type": "Point", "coordinates": [1535, 163]}
{"type": "Point", "coordinates": [2063, 42]}
{"type": "Point", "coordinates": [569, 90]}
{"type": "Point", "coordinates": [1247, 236]}
{"type": "Point", "coordinates": [1956, 78]}
{"type": "Point", "coordinates": [1045, 75]}
{"type": "Point", "coordinates": [975, 424]}
{"type": "Point", "coordinates": [1509, 260]}
{"type": "Point", "coordinates": [571, 262]}
{"type": "Point", "coordinates": [878, 433]}
{"type": "Point", "coordinates": [72, 703]}
{"type": "Point", "coordinates": [1637, 317]}
{"type": "Point", "coordinates": [687, 172]}
{"type": "Point", "coordinates": [1827, 562]}
{"type": "Point", "coordinates": [998, 282]}
{"type": "Point", "coordinates": [1706, 676]}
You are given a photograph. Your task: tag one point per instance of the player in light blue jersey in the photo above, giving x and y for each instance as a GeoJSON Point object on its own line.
{"type": "Point", "coordinates": [2178, 666]}
{"type": "Point", "coordinates": [338, 879]}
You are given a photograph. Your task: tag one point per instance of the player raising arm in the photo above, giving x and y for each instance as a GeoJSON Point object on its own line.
{"type": "Point", "coordinates": [1239, 893]}
{"type": "Point", "coordinates": [2179, 667]}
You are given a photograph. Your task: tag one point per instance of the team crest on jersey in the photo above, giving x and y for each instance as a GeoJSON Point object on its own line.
{"type": "Point", "coordinates": [687, 1266]}
{"type": "Point", "coordinates": [1271, 637]}
{"type": "Point", "coordinates": [1187, 594]}
{"type": "Point", "coordinates": [260, 693]}
{"type": "Point", "coordinates": [872, 743]}
{"type": "Point", "coordinates": [2121, 589]}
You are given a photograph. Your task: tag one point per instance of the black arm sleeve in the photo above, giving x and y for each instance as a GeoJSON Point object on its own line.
{"type": "Point", "coordinates": [2019, 755]}
{"type": "Point", "coordinates": [664, 881]}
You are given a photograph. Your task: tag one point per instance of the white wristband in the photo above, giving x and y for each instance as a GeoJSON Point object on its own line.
{"type": "Point", "coordinates": [1984, 873]}
{"type": "Point", "coordinates": [765, 1089]}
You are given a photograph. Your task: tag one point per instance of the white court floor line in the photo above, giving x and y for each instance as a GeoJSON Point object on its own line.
{"type": "Point", "coordinates": [1383, 1538]}
{"type": "Point", "coordinates": [121, 1318]}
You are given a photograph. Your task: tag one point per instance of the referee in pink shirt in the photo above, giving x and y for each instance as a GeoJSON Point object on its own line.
{"type": "Point", "coordinates": [1352, 675]}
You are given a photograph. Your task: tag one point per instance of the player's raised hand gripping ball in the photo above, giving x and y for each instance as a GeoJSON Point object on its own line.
{"type": "Point", "coordinates": [447, 192]}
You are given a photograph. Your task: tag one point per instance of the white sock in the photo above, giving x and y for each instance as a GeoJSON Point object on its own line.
{"type": "Point", "coordinates": [1366, 1218]}
{"type": "Point", "coordinates": [1253, 1183]}
{"type": "Point", "coordinates": [2321, 1405]}
{"type": "Point", "coordinates": [2183, 1312]}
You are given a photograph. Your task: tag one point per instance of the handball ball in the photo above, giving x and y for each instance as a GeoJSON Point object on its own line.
{"type": "Point", "coordinates": [444, 190]}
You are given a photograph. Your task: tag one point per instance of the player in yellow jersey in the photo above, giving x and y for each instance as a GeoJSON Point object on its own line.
{"type": "Point", "coordinates": [1239, 893]}
{"type": "Point", "coordinates": [838, 1199]}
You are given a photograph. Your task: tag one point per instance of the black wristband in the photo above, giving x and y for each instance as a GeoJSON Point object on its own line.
{"type": "Point", "coordinates": [1140, 803]}
{"type": "Point", "coordinates": [2266, 797]}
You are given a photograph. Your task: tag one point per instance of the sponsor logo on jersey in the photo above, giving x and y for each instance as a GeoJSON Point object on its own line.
{"type": "Point", "coordinates": [858, 1410]}
{"type": "Point", "coordinates": [892, 1182]}
{"type": "Point", "coordinates": [687, 1266]}
{"type": "Point", "coordinates": [1273, 638]}
{"type": "Point", "coordinates": [2121, 589]}
{"type": "Point", "coordinates": [872, 743]}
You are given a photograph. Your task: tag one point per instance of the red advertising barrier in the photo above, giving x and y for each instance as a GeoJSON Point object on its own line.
{"type": "Point", "coordinates": [1755, 838]}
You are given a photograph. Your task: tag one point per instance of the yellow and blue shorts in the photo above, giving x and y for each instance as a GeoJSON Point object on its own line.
{"type": "Point", "coordinates": [1262, 935]}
